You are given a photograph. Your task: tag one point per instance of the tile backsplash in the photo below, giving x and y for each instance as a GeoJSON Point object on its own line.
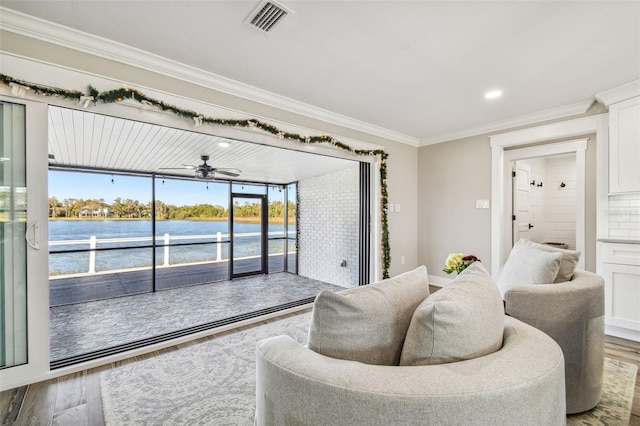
{"type": "Point", "coordinates": [624, 216]}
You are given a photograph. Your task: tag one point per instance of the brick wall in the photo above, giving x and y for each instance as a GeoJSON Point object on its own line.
{"type": "Point", "coordinates": [328, 225]}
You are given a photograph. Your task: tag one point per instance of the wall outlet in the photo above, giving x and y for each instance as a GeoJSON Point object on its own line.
{"type": "Point", "coordinates": [482, 204]}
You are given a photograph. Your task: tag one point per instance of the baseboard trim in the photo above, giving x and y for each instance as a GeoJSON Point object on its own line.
{"type": "Point", "coordinates": [623, 333]}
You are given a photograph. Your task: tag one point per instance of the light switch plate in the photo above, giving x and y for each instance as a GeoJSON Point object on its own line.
{"type": "Point", "coordinates": [482, 204]}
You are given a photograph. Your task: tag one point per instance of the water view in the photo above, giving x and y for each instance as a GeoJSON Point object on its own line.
{"type": "Point", "coordinates": [100, 222]}
{"type": "Point", "coordinates": [200, 241]}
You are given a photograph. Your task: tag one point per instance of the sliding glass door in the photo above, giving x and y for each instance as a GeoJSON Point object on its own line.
{"type": "Point", "coordinates": [23, 291]}
{"type": "Point", "coordinates": [13, 227]}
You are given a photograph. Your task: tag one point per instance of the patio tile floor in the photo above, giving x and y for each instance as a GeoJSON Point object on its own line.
{"type": "Point", "coordinates": [84, 327]}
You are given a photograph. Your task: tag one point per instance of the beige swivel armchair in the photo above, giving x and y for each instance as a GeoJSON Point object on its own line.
{"type": "Point", "coordinates": [572, 313]}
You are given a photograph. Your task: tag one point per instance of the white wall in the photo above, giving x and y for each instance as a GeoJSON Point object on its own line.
{"type": "Point", "coordinates": [328, 226]}
{"type": "Point", "coordinates": [403, 191]}
{"type": "Point", "coordinates": [561, 202]}
{"type": "Point", "coordinates": [553, 207]}
{"type": "Point", "coordinates": [451, 177]}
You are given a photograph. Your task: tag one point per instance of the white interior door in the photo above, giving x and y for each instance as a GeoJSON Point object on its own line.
{"type": "Point", "coordinates": [521, 204]}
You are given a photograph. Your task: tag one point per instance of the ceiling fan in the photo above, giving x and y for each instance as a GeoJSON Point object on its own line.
{"type": "Point", "coordinates": [205, 171]}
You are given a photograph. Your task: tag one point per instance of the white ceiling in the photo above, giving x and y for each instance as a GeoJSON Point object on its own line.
{"type": "Point", "coordinates": [419, 68]}
{"type": "Point", "coordinates": [82, 139]}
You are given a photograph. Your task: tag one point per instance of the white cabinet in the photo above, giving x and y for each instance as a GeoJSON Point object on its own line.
{"type": "Point", "coordinates": [624, 146]}
{"type": "Point", "coordinates": [620, 268]}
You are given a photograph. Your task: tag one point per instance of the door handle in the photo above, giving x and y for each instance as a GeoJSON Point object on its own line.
{"type": "Point", "coordinates": [530, 226]}
{"type": "Point", "coordinates": [33, 228]}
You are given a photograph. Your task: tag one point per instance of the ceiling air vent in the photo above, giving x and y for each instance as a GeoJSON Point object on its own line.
{"type": "Point", "coordinates": [267, 15]}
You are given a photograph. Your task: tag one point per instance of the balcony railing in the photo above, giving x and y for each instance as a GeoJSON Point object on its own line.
{"type": "Point", "coordinates": [164, 242]}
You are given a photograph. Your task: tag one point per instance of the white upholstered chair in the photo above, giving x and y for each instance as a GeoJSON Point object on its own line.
{"type": "Point", "coordinates": [572, 313]}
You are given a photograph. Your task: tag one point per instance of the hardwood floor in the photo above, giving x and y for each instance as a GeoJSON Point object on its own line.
{"type": "Point", "coordinates": [70, 400]}
{"type": "Point", "coordinates": [627, 351]}
{"type": "Point", "coordinates": [76, 399]}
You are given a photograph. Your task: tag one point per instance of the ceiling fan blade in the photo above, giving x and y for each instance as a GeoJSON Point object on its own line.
{"type": "Point", "coordinates": [228, 172]}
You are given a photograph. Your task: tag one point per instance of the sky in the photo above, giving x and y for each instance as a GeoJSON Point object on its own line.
{"type": "Point", "coordinates": [95, 186]}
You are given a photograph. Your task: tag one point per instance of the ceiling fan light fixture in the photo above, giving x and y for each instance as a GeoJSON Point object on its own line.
{"type": "Point", "coordinates": [203, 174]}
{"type": "Point", "coordinates": [206, 172]}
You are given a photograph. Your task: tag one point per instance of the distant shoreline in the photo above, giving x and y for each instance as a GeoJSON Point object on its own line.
{"type": "Point", "coordinates": [253, 220]}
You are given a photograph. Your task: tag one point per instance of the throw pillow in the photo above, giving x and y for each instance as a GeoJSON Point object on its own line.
{"type": "Point", "coordinates": [527, 265]}
{"type": "Point", "coordinates": [463, 320]}
{"type": "Point", "coordinates": [568, 262]}
{"type": "Point", "coordinates": [367, 323]}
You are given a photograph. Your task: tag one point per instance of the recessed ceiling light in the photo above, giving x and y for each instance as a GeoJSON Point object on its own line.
{"type": "Point", "coordinates": [224, 144]}
{"type": "Point", "coordinates": [493, 94]}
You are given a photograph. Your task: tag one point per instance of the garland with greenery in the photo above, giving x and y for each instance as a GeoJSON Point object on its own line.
{"type": "Point", "coordinates": [93, 96]}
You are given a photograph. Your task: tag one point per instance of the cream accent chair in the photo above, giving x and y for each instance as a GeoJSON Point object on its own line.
{"type": "Point", "coordinates": [391, 354]}
{"type": "Point", "coordinates": [572, 313]}
{"type": "Point", "coordinates": [521, 384]}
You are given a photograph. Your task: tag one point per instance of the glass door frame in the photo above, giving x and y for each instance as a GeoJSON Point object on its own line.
{"type": "Point", "coordinates": [36, 135]}
{"type": "Point", "coordinates": [264, 234]}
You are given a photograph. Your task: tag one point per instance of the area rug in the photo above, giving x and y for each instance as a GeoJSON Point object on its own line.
{"type": "Point", "coordinates": [213, 383]}
{"type": "Point", "coordinates": [614, 407]}
{"type": "Point", "coordinates": [209, 383]}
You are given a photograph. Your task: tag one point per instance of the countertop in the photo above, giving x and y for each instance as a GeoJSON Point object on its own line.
{"type": "Point", "coordinates": [618, 241]}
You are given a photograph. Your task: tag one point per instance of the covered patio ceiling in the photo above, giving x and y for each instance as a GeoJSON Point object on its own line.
{"type": "Point", "coordinates": [87, 140]}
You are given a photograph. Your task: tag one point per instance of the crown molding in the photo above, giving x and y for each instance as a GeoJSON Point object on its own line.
{"type": "Point", "coordinates": [521, 120]}
{"type": "Point", "coordinates": [620, 93]}
{"type": "Point", "coordinates": [50, 32]}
